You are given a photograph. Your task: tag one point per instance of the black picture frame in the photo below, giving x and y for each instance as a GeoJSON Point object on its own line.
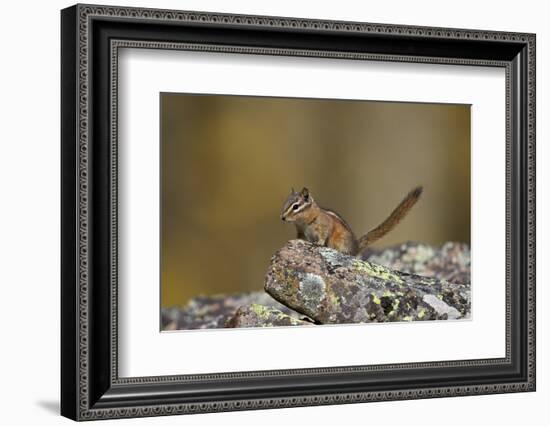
{"type": "Point", "coordinates": [90, 386]}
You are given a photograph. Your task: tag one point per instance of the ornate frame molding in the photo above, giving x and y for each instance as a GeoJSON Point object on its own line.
{"type": "Point", "coordinates": [88, 403]}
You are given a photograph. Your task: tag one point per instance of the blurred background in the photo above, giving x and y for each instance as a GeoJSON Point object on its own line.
{"type": "Point", "coordinates": [229, 162]}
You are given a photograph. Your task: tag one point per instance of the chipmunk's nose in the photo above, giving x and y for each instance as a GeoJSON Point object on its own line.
{"type": "Point", "coordinates": [283, 218]}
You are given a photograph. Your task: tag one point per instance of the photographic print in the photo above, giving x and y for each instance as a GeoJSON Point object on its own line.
{"type": "Point", "coordinates": [311, 212]}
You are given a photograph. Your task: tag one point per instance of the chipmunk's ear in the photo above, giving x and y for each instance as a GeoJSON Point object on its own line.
{"type": "Point", "coordinates": [304, 193]}
{"type": "Point", "coordinates": [292, 191]}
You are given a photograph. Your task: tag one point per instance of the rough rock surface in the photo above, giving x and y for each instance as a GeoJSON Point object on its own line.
{"type": "Point", "coordinates": [213, 311]}
{"type": "Point", "coordinates": [262, 316]}
{"type": "Point", "coordinates": [450, 262]}
{"type": "Point", "coordinates": [330, 288]}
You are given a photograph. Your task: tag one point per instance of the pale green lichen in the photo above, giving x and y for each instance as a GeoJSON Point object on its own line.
{"type": "Point", "coordinates": [265, 313]}
{"type": "Point", "coordinates": [395, 305]}
{"type": "Point", "coordinates": [376, 271]}
{"type": "Point", "coordinates": [422, 313]}
{"type": "Point", "coordinates": [375, 299]}
{"type": "Point", "coordinates": [407, 318]}
{"type": "Point", "coordinates": [260, 310]}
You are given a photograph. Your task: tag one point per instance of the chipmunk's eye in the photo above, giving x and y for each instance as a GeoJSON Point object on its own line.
{"type": "Point", "coordinates": [295, 206]}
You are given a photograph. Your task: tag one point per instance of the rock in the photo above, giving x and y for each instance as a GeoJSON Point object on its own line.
{"type": "Point", "coordinates": [213, 311]}
{"type": "Point", "coordinates": [450, 262]}
{"type": "Point", "coordinates": [332, 288]}
{"type": "Point", "coordinates": [262, 316]}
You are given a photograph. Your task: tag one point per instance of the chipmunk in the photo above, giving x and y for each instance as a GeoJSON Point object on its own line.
{"type": "Point", "coordinates": [327, 228]}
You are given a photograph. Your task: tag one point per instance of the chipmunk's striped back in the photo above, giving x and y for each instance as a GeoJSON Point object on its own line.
{"type": "Point", "coordinates": [327, 228]}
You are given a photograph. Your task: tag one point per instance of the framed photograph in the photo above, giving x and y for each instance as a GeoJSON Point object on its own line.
{"type": "Point", "coordinates": [263, 212]}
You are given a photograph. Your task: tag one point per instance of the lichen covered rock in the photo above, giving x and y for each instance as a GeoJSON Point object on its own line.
{"type": "Point", "coordinates": [204, 312]}
{"type": "Point", "coordinates": [262, 316]}
{"type": "Point", "coordinates": [450, 262]}
{"type": "Point", "coordinates": [332, 288]}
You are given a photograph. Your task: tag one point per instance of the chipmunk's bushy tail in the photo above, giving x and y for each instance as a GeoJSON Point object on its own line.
{"type": "Point", "coordinates": [393, 219]}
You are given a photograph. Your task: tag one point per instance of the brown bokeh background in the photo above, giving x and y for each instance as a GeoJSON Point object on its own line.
{"type": "Point", "coordinates": [228, 163]}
